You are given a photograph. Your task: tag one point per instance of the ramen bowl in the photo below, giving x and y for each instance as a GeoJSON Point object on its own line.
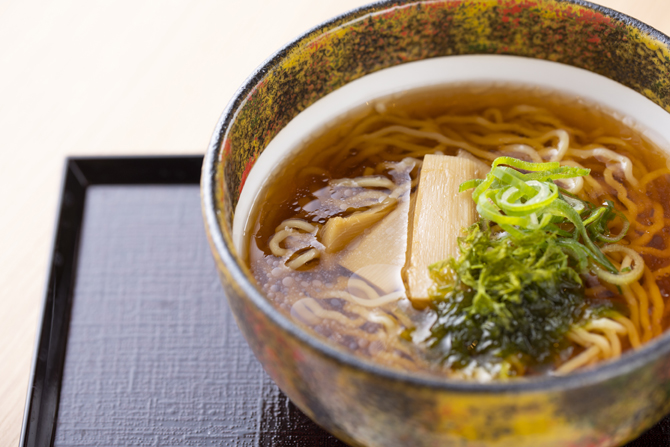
{"type": "Point", "coordinates": [366, 404]}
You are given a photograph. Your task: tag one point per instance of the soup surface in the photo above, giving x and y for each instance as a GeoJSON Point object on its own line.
{"type": "Point", "coordinates": [335, 232]}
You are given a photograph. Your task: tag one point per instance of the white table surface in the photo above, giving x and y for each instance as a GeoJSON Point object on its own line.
{"type": "Point", "coordinates": [84, 77]}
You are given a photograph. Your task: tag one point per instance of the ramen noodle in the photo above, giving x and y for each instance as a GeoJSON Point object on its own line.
{"type": "Point", "coordinates": [334, 234]}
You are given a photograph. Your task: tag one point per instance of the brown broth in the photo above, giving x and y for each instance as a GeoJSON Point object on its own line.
{"type": "Point", "coordinates": [292, 189]}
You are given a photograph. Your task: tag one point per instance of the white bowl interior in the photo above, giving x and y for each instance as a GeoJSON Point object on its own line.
{"type": "Point", "coordinates": [623, 103]}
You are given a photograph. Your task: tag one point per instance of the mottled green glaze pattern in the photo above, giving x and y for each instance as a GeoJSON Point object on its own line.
{"type": "Point", "coordinates": [366, 405]}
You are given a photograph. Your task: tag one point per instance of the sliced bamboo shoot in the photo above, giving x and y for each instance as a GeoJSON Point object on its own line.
{"type": "Point", "coordinates": [339, 231]}
{"type": "Point", "coordinates": [380, 255]}
{"type": "Point", "coordinates": [440, 214]}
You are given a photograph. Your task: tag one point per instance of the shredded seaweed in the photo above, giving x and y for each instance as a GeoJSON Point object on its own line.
{"type": "Point", "coordinates": [503, 297]}
{"type": "Point", "coordinates": [516, 289]}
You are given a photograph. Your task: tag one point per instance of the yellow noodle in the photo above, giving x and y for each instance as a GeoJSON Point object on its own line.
{"type": "Point", "coordinates": [395, 142]}
{"type": "Point", "coordinates": [650, 177]}
{"type": "Point", "coordinates": [419, 153]}
{"type": "Point", "coordinates": [341, 150]}
{"type": "Point", "coordinates": [359, 284]}
{"type": "Point", "coordinates": [605, 324]}
{"type": "Point", "coordinates": [365, 182]}
{"type": "Point", "coordinates": [577, 338]}
{"type": "Point", "coordinates": [483, 122]}
{"type": "Point", "coordinates": [437, 137]}
{"type": "Point", "coordinates": [658, 222]}
{"type": "Point", "coordinates": [645, 322]}
{"type": "Point", "coordinates": [632, 307]}
{"type": "Point", "coordinates": [610, 329]}
{"type": "Point", "coordinates": [556, 154]}
{"type": "Point", "coordinates": [573, 185]}
{"type": "Point", "coordinates": [362, 155]}
{"type": "Point", "coordinates": [586, 338]}
{"type": "Point", "coordinates": [408, 122]}
{"type": "Point", "coordinates": [497, 139]}
{"type": "Point", "coordinates": [637, 165]}
{"type": "Point", "coordinates": [658, 306]}
{"type": "Point", "coordinates": [524, 109]}
{"type": "Point", "coordinates": [633, 335]}
{"type": "Point", "coordinates": [578, 361]}
{"type": "Point", "coordinates": [360, 128]}
{"type": "Point", "coordinates": [296, 223]}
{"type": "Point", "coordinates": [493, 114]}
{"type": "Point", "coordinates": [615, 344]}
{"type": "Point", "coordinates": [303, 259]}
{"type": "Point", "coordinates": [654, 251]}
{"type": "Point", "coordinates": [613, 141]}
{"type": "Point", "coordinates": [451, 133]}
{"type": "Point", "coordinates": [389, 298]}
{"type": "Point", "coordinates": [622, 195]}
{"type": "Point", "coordinates": [279, 237]}
{"type": "Point", "coordinates": [589, 179]}
{"type": "Point", "coordinates": [523, 149]}
{"type": "Point", "coordinates": [381, 318]}
{"type": "Point", "coordinates": [664, 271]}
{"type": "Point", "coordinates": [623, 161]}
{"type": "Point", "coordinates": [311, 305]}
{"type": "Point", "coordinates": [552, 123]}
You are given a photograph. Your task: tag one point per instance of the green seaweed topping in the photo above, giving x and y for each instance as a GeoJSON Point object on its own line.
{"type": "Point", "coordinates": [516, 290]}
{"type": "Point", "coordinates": [503, 297]}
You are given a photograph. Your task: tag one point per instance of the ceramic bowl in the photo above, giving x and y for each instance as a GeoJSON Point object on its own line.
{"type": "Point", "coordinates": [369, 405]}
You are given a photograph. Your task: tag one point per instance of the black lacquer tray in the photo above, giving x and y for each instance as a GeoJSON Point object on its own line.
{"type": "Point", "coordinates": [137, 344]}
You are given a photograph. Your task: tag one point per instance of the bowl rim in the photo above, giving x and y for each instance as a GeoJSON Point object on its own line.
{"type": "Point", "coordinates": [608, 370]}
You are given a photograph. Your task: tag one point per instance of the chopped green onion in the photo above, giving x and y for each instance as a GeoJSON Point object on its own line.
{"type": "Point", "coordinates": [516, 288]}
{"type": "Point", "coordinates": [520, 202]}
{"type": "Point", "coordinates": [526, 166]}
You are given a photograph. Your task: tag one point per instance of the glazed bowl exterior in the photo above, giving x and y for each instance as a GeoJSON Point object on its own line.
{"type": "Point", "coordinates": [368, 405]}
